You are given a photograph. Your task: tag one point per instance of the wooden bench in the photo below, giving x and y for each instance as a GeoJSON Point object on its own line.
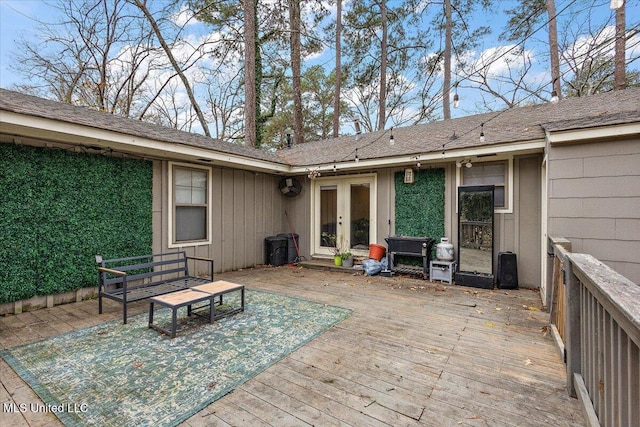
{"type": "Point", "coordinates": [187, 298]}
{"type": "Point", "coordinates": [218, 289]}
{"type": "Point", "coordinates": [141, 277]}
{"type": "Point", "coordinates": [176, 300]}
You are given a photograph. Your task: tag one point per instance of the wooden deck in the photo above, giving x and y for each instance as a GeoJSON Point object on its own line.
{"type": "Point", "coordinates": [414, 353]}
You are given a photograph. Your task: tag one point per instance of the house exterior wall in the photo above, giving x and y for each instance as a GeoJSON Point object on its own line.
{"type": "Point", "coordinates": [518, 231]}
{"type": "Point", "coordinates": [247, 208]}
{"type": "Point", "coordinates": [594, 201]}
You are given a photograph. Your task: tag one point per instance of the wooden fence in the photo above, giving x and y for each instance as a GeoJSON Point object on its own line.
{"type": "Point", "coordinates": [595, 313]}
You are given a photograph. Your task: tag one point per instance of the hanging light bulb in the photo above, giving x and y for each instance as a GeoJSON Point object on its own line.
{"type": "Point", "coordinates": [482, 132]}
{"type": "Point", "coordinates": [335, 168]}
{"type": "Point", "coordinates": [357, 158]}
{"type": "Point", "coordinates": [391, 139]}
{"type": "Point", "coordinates": [554, 97]}
{"type": "Point", "coordinates": [456, 98]}
{"type": "Point", "coordinates": [616, 4]}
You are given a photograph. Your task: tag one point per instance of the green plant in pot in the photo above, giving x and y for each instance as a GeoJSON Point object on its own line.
{"type": "Point", "coordinates": [347, 259]}
{"type": "Point", "coordinates": [336, 246]}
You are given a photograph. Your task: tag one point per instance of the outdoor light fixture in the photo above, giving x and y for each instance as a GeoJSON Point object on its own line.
{"type": "Point", "coordinates": [481, 132]}
{"type": "Point", "coordinates": [391, 140]}
{"type": "Point", "coordinates": [616, 4]}
{"type": "Point", "coordinates": [466, 162]}
{"type": "Point", "coordinates": [554, 97]}
{"type": "Point", "coordinates": [313, 173]}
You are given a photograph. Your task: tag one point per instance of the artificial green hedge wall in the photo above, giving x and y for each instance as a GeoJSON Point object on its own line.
{"type": "Point", "coordinates": [59, 209]}
{"type": "Point", "coordinates": [420, 206]}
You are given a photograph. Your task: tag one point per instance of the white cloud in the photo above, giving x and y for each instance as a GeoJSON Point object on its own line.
{"type": "Point", "coordinates": [184, 17]}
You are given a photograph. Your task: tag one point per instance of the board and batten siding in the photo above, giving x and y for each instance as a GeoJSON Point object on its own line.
{"type": "Point", "coordinates": [247, 207]}
{"type": "Point", "coordinates": [518, 231]}
{"type": "Point", "coordinates": [594, 201]}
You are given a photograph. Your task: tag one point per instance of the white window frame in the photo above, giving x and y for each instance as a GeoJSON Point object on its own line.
{"type": "Point", "coordinates": [171, 208]}
{"type": "Point", "coordinates": [508, 191]}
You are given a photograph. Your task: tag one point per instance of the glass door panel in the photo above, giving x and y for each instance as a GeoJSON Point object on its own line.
{"type": "Point", "coordinates": [360, 216]}
{"type": "Point", "coordinates": [343, 214]}
{"type": "Point", "coordinates": [328, 216]}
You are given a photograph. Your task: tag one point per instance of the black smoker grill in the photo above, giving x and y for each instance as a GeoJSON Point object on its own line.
{"type": "Point", "coordinates": [419, 247]}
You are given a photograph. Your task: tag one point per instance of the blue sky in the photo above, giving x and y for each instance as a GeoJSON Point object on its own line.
{"type": "Point", "coordinates": [19, 17]}
{"type": "Point", "coordinates": [13, 21]}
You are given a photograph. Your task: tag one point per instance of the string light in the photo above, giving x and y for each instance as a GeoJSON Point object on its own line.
{"type": "Point", "coordinates": [482, 132]}
{"type": "Point", "coordinates": [456, 98]}
{"type": "Point", "coordinates": [357, 158]}
{"type": "Point", "coordinates": [391, 139]}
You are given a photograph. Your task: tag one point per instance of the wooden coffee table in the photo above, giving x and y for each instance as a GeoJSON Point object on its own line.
{"type": "Point", "coordinates": [218, 289]}
{"type": "Point", "coordinates": [176, 300]}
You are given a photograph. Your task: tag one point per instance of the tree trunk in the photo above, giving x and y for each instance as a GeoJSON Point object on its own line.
{"type": "Point", "coordinates": [175, 65]}
{"type": "Point", "coordinates": [553, 49]}
{"type": "Point", "coordinates": [382, 111]}
{"type": "Point", "coordinates": [338, 73]}
{"type": "Point", "coordinates": [446, 85]}
{"type": "Point", "coordinates": [619, 72]}
{"type": "Point", "coordinates": [294, 23]}
{"type": "Point", "coordinates": [249, 73]}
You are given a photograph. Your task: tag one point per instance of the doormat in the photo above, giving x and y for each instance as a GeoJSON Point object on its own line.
{"type": "Point", "coordinates": [113, 374]}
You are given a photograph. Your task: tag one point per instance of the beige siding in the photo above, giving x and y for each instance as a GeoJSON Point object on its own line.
{"type": "Point", "coordinates": [246, 208]}
{"type": "Point", "coordinates": [594, 201]}
{"type": "Point", "coordinates": [518, 232]}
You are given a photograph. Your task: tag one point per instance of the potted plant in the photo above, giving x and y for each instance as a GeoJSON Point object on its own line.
{"type": "Point", "coordinates": [347, 259]}
{"type": "Point", "coordinates": [336, 246]}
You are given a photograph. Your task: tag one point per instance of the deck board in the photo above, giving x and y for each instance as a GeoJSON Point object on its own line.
{"type": "Point", "coordinates": [414, 353]}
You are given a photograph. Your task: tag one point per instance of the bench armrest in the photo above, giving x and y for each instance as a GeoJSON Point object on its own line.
{"type": "Point", "coordinates": [199, 259]}
{"type": "Point", "coordinates": [209, 260]}
{"type": "Point", "coordinates": [111, 271]}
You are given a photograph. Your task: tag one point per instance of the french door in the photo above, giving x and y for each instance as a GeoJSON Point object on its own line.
{"type": "Point", "coordinates": [344, 214]}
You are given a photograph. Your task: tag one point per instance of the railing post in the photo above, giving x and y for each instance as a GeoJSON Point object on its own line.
{"type": "Point", "coordinates": [572, 325]}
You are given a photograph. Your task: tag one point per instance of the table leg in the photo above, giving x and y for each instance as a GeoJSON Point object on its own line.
{"type": "Point", "coordinates": [212, 308]}
{"type": "Point", "coordinates": [150, 314]}
{"type": "Point", "coordinates": [174, 322]}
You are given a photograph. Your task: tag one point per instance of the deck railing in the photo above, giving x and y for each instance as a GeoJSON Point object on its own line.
{"type": "Point", "coordinates": [595, 313]}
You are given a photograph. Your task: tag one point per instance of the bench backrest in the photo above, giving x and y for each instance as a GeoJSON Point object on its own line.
{"type": "Point", "coordinates": [144, 267]}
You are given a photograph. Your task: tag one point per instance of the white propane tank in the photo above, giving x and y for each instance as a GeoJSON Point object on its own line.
{"type": "Point", "coordinates": [444, 250]}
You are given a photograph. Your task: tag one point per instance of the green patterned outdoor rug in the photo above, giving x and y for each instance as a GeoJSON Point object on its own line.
{"type": "Point", "coordinates": [115, 375]}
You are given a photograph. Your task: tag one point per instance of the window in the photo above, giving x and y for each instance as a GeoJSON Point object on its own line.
{"type": "Point", "coordinates": [489, 173]}
{"type": "Point", "coordinates": [190, 191]}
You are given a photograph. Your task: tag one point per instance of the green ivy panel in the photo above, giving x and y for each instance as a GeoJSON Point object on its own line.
{"type": "Point", "coordinates": [59, 209]}
{"type": "Point", "coordinates": [420, 206]}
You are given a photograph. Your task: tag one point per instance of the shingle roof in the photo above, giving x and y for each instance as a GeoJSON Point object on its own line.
{"type": "Point", "coordinates": [45, 108]}
{"type": "Point", "coordinates": [509, 126]}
